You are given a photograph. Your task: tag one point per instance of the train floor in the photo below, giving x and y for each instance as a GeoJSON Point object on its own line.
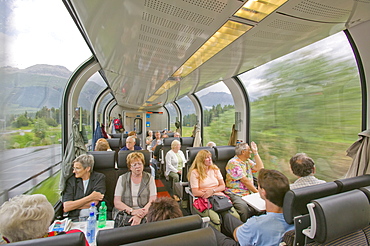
{"type": "Point", "coordinates": [164, 190]}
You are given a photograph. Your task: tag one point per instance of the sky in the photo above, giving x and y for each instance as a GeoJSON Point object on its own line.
{"type": "Point", "coordinates": [40, 32]}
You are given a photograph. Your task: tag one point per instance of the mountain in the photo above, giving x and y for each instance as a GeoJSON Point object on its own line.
{"type": "Point", "coordinates": [37, 86]}
{"type": "Point", "coordinates": [213, 98]}
{"type": "Point", "coordinates": [208, 100]}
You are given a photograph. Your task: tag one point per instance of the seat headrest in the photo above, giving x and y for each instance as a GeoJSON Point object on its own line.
{"type": "Point", "coordinates": [295, 200]}
{"type": "Point", "coordinates": [353, 183]}
{"type": "Point", "coordinates": [224, 152]}
{"type": "Point", "coordinates": [71, 239]}
{"type": "Point", "coordinates": [204, 236]}
{"type": "Point", "coordinates": [168, 141]}
{"type": "Point", "coordinates": [103, 159]}
{"type": "Point", "coordinates": [122, 157]}
{"type": "Point", "coordinates": [116, 135]}
{"type": "Point", "coordinates": [338, 215]}
{"type": "Point", "coordinates": [114, 143]}
{"type": "Point", "coordinates": [129, 234]}
{"type": "Point", "coordinates": [187, 141]}
{"type": "Point", "coordinates": [193, 151]}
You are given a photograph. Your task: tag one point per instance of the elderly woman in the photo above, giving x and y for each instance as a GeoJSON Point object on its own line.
{"type": "Point", "coordinates": [135, 190]}
{"type": "Point", "coordinates": [25, 217]}
{"type": "Point", "coordinates": [83, 188]}
{"type": "Point", "coordinates": [175, 160]}
{"type": "Point", "coordinates": [206, 180]}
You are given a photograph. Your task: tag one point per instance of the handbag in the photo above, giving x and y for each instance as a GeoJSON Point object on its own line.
{"type": "Point", "coordinates": [122, 219]}
{"type": "Point", "coordinates": [220, 203]}
{"type": "Point", "coordinates": [202, 204]}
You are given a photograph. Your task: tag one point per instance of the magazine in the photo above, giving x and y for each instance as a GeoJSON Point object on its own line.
{"type": "Point", "coordinates": [255, 201]}
{"type": "Point", "coordinates": [61, 225]}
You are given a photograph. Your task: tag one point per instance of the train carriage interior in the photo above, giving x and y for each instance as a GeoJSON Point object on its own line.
{"type": "Point", "coordinates": [291, 75]}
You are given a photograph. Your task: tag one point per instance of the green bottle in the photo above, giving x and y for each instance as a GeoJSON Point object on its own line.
{"type": "Point", "coordinates": [102, 219]}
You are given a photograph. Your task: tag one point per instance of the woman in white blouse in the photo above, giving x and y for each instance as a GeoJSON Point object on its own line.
{"type": "Point", "coordinates": [175, 160]}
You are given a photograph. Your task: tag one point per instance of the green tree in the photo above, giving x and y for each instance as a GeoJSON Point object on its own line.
{"type": "Point", "coordinates": [40, 128]}
{"type": "Point", "coordinates": [51, 122]}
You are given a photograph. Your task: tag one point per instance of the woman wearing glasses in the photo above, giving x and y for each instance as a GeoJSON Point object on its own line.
{"type": "Point", "coordinates": [135, 190]}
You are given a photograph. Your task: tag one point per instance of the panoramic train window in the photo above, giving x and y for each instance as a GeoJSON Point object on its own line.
{"type": "Point", "coordinates": [41, 49]}
{"type": "Point", "coordinates": [89, 92]}
{"type": "Point", "coordinates": [307, 101]}
{"type": "Point", "coordinates": [102, 105]}
{"type": "Point", "coordinates": [173, 116]}
{"type": "Point", "coordinates": [218, 113]}
{"type": "Point", "coordinates": [189, 119]}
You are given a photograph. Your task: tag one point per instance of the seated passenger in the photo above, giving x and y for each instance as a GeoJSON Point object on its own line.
{"type": "Point", "coordinates": [102, 145]}
{"type": "Point", "coordinates": [149, 138]}
{"type": "Point", "coordinates": [176, 135]}
{"type": "Point", "coordinates": [211, 144]}
{"type": "Point", "coordinates": [303, 167]}
{"type": "Point", "coordinates": [163, 208]}
{"type": "Point", "coordinates": [155, 147]}
{"type": "Point", "coordinates": [266, 229]}
{"type": "Point", "coordinates": [26, 217]}
{"type": "Point", "coordinates": [239, 177]}
{"type": "Point", "coordinates": [206, 180]}
{"type": "Point", "coordinates": [83, 188]}
{"type": "Point", "coordinates": [175, 160]}
{"type": "Point", "coordinates": [130, 144]}
{"type": "Point", "coordinates": [135, 190]}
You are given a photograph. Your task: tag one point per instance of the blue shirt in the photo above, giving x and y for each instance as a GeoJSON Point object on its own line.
{"type": "Point", "coordinates": [135, 148]}
{"type": "Point", "coordinates": [266, 229]}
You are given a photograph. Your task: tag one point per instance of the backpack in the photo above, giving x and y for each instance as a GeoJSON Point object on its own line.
{"type": "Point", "coordinates": [117, 124]}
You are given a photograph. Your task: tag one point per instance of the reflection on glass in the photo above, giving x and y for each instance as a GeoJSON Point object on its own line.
{"type": "Point", "coordinates": [307, 101]}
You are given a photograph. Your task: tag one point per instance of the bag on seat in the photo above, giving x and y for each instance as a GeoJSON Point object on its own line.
{"type": "Point", "coordinates": [220, 203]}
{"type": "Point", "coordinates": [202, 204]}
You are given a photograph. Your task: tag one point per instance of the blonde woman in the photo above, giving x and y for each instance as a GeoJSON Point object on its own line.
{"type": "Point", "coordinates": [206, 180]}
{"type": "Point", "coordinates": [135, 190]}
{"type": "Point", "coordinates": [102, 145]}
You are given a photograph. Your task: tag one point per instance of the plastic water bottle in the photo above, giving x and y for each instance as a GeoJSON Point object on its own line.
{"type": "Point", "coordinates": [91, 227]}
{"type": "Point", "coordinates": [102, 215]}
{"type": "Point", "coordinates": [93, 209]}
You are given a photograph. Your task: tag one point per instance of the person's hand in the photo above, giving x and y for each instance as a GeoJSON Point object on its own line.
{"type": "Point", "coordinates": [179, 172]}
{"type": "Point", "coordinates": [254, 147]}
{"type": "Point", "coordinates": [139, 213]}
{"type": "Point", "coordinates": [95, 195]}
{"type": "Point", "coordinates": [208, 193]}
{"type": "Point", "coordinates": [135, 220]}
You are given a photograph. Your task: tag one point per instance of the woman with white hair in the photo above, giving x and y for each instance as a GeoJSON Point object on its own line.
{"type": "Point", "coordinates": [83, 188]}
{"type": "Point", "coordinates": [25, 217]}
{"type": "Point", "coordinates": [175, 160]}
